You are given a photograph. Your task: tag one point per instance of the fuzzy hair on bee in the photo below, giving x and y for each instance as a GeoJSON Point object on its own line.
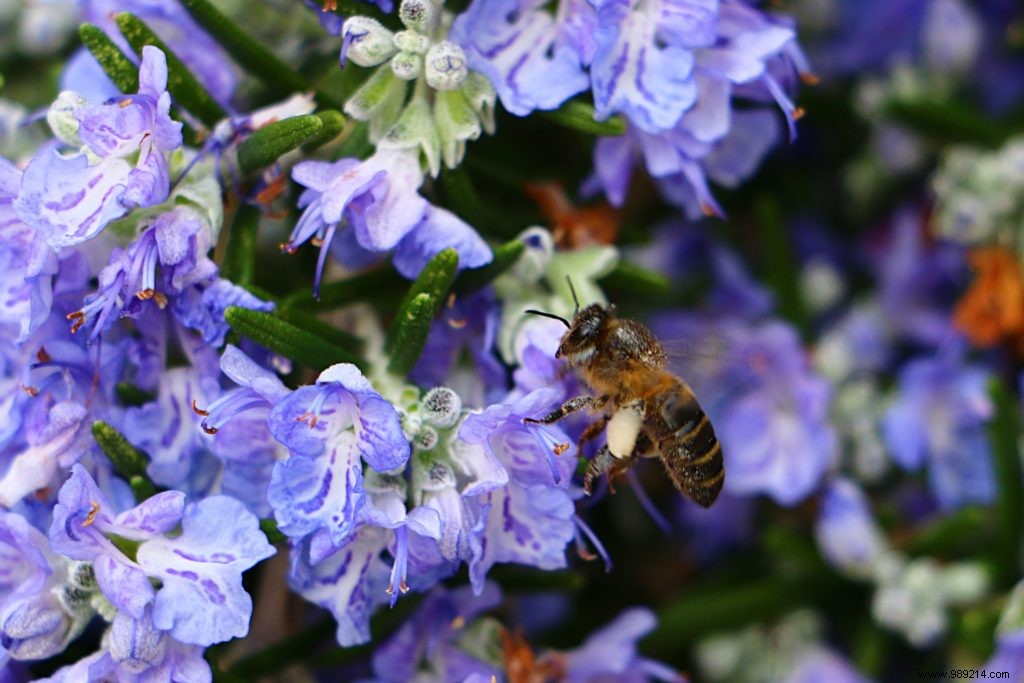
{"type": "Point", "coordinates": [644, 410]}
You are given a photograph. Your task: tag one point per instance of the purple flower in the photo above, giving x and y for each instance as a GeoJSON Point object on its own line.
{"type": "Point", "coordinates": [533, 60]}
{"type": "Point", "coordinates": [351, 579]}
{"type": "Point", "coordinates": [530, 520]}
{"type": "Point", "coordinates": [819, 664]}
{"type": "Point", "coordinates": [331, 428]}
{"type": "Point", "coordinates": [846, 532]}
{"type": "Point", "coordinates": [202, 308]}
{"type": "Point", "coordinates": [1009, 654]}
{"type": "Point", "coordinates": [135, 650]}
{"type": "Point", "coordinates": [939, 418]}
{"type": "Point", "coordinates": [431, 638]}
{"type": "Point", "coordinates": [33, 622]}
{"type": "Point", "coordinates": [70, 201]}
{"type": "Point", "coordinates": [379, 200]}
{"type": "Point", "coordinates": [611, 653]}
{"type": "Point", "coordinates": [27, 264]}
{"type": "Point", "coordinates": [200, 599]}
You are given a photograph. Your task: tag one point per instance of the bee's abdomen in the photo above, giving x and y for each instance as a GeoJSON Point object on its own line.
{"type": "Point", "coordinates": [689, 448]}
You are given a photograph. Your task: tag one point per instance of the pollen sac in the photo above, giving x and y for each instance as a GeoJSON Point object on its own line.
{"type": "Point", "coordinates": [442, 407]}
{"type": "Point", "coordinates": [407, 66]}
{"type": "Point", "coordinates": [369, 43]}
{"type": "Point", "coordinates": [418, 15]}
{"type": "Point", "coordinates": [446, 66]}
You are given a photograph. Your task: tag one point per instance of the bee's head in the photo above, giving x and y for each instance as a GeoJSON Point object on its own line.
{"type": "Point", "coordinates": [580, 340]}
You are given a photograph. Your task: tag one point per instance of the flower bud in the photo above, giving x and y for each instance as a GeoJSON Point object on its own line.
{"type": "Point", "coordinates": [407, 66]}
{"type": "Point", "coordinates": [442, 407]}
{"type": "Point", "coordinates": [61, 117]}
{"type": "Point", "coordinates": [412, 42]}
{"type": "Point", "coordinates": [418, 15]}
{"type": "Point", "coordinates": [427, 438]}
{"type": "Point", "coordinates": [446, 66]}
{"type": "Point", "coordinates": [366, 42]}
{"type": "Point", "coordinates": [135, 643]}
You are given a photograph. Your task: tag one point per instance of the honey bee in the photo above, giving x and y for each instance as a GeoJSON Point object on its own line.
{"type": "Point", "coordinates": [646, 410]}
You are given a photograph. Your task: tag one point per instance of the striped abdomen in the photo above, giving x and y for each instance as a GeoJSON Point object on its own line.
{"type": "Point", "coordinates": [687, 444]}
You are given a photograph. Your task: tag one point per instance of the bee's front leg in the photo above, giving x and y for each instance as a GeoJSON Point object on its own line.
{"type": "Point", "coordinates": [570, 406]}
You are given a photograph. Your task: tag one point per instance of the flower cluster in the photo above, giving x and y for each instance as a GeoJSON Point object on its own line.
{"type": "Point", "coordinates": [185, 432]}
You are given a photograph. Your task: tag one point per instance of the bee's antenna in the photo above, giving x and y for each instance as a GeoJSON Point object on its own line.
{"type": "Point", "coordinates": [550, 315]}
{"type": "Point", "coordinates": [572, 289]}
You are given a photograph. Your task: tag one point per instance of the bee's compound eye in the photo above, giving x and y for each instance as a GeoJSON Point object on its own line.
{"type": "Point", "coordinates": [442, 407]}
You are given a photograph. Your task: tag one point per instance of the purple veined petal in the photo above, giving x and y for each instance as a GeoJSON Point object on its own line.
{"type": "Point", "coordinates": [351, 184]}
{"type": "Point", "coordinates": [525, 525]}
{"type": "Point", "coordinates": [246, 372]}
{"type": "Point", "coordinates": [382, 443]}
{"type": "Point", "coordinates": [201, 600]}
{"type": "Point", "coordinates": [439, 230]}
{"type": "Point", "coordinates": [425, 521]}
{"type": "Point", "coordinates": [158, 514]}
{"type": "Point", "coordinates": [149, 182]}
{"type": "Point", "coordinates": [519, 47]}
{"type": "Point", "coordinates": [68, 200]}
{"type": "Point", "coordinates": [152, 72]}
{"type": "Point", "coordinates": [736, 156]}
{"type": "Point", "coordinates": [135, 644]}
{"type": "Point", "coordinates": [748, 40]}
{"type": "Point", "coordinates": [322, 492]}
{"type": "Point", "coordinates": [124, 584]}
{"type": "Point", "coordinates": [348, 376]}
{"type": "Point", "coordinates": [38, 465]}
{"type": "Point", "coordinates": [319, 175]}
{"type": "Point", "coordinates": [385, 501]}
{"type": "Point", "coordinates": [174, 231]}
{"type": "Point", "coordinates": [392, 208]}
{"type": "Point", "coordinates": [688, 23]}
{"type": "Point", "coordinates": [349, 583]}
{"type": "Point", "coordinates": [711, 117]}
{"type": "Point", "coordinates": [478, 467]}
{"type": "Point", "coordinates": [651, 85]}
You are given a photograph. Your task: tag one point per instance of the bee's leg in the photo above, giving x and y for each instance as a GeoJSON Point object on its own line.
{"type": "Point", "coordinates": [570, 406]}
{"type": "Point", "coordinates": [602, 462]}
{"type": "Point", "coordinates": [591, 432]}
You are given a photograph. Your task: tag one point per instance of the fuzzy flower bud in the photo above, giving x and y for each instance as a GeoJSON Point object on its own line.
{"type": "Point", "coordinates": [418, 15]}
{"type": "Point", "coordinates": [446, 66]}
{"type": "Point", "coordinates": [441, 407]}
{"type": "Point", "coordinates": [407, 65]}
{"type": "Point", "coordinates": [366, 42]}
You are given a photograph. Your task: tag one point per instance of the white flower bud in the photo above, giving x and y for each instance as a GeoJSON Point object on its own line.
{"type": "Point", "coordinates": [61, 117]}
{"type": "Point", "coordinates": [427, 438]}
{"type": "Point", "coordinates": [446, 66]}
{"type": "Point", "coordinates": [367, 42]}
{"type": "Point", "coordinates": [412, 42]}
{"type": "Point", "coordinates": [136, 645]}
{"type": "Point", "coordinates": [418, 15]}
{"type": "Point", "coordinates": [442, 407]}
{"type": "Point", "coordinates": [407, 66]}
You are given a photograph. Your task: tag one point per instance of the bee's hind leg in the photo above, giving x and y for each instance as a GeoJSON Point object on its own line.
{"type": "Point", "coordinates": [570, 406]}
{"type": "Point", "coordinates": [605, 463]}
{"type": "Point", "coordinates": [591, 432]}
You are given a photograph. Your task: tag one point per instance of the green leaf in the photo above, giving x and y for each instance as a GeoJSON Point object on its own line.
{"type": "Point", "coordinates": [409, 331]}
{"type": "Point", "coordinates": [376, 283]}
{"type": "Point", "coordinates": [779, 263]}
{"type": "Point", "coordinates": [332, 124]}
{"type": "Point", "coordinates": [184, 87]}
{"type": "Point", "coordinates": [435, 279]}
{"type": "Point", "coordinates": [239, 263]}
{"type": "Point", "coordinates": [250, 54]}
{"type": "Point", "coordinates": [505, 257]}
{"type": "Point", "coordinates": [1004, 430]}
{"type": "Point", "coordinates": [948, 121]}
{"type": "Point", "coordinates": [142, 488]}
{"type": "Point", "coordinates": [356, 142]}
{"type": "Point", "coordinates": [636, 279]}
{"type": "Point", "coordinates": [266, 145]}
{"type": "Point", "coordinates": [287, 339]}
{"type": "Point", "coordinates": [461, 196]}
{"type": "Point", "coordinates": [579, 115]}
{"type": "Point", "coordinates": [115, 64]}
{"type": "Point", "coordinates": [128, 461]}
{"type": "Point", "coordinates": [310, 323]}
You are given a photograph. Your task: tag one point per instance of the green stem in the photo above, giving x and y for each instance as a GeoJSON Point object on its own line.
{"type": "Point", "coordinates": [1005, 434]}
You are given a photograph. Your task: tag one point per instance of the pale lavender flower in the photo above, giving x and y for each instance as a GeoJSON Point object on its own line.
{"type": "Point", "coordinates": [846, 532]}
{"type": "Point", "coordinates": [200, 599]}
{"type": "Point", "coordinates": [939, 419]}
{"type": "Point", "coordinates": [331, 428]}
